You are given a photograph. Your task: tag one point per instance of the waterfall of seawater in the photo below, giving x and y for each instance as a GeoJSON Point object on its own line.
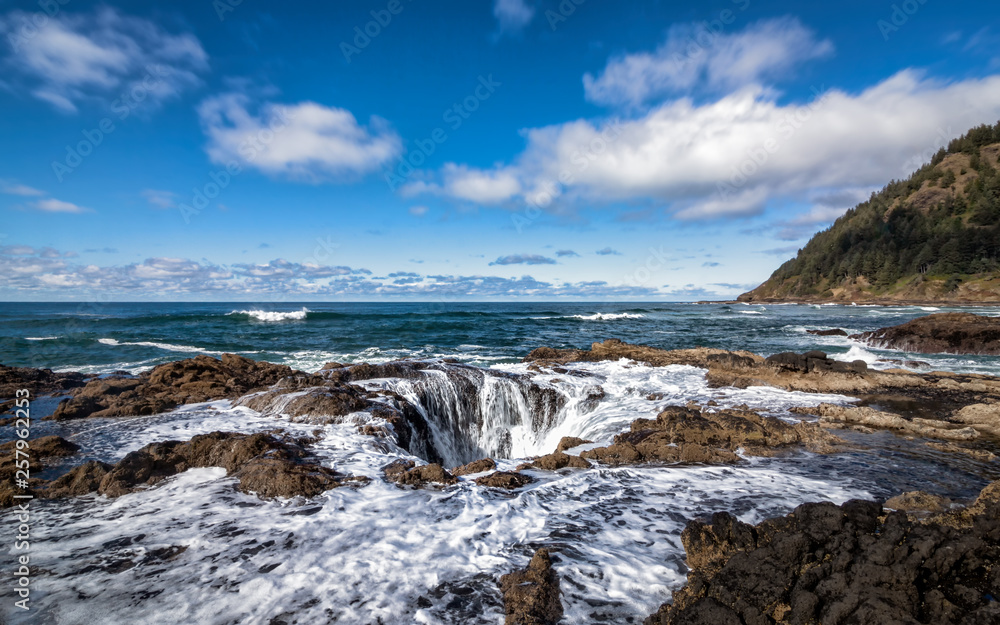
{"type": "Point", "coordinates": [475, 413]}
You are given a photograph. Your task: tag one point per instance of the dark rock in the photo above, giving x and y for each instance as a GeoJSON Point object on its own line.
{"type": "Point", "coordinates": [405, 473]}
{"type": "Point", "coordinates": [37, 381]}
{"type": "Point", "coordinates": [814, 361]}
{"type": "Point", "coordinates": [949, 333]}
{"type": "Point", "coordinates": [555, 461]}
{"type": "Point", "coordinates": [833, 332]}
{"type": "Point", "coordinates": [479, 466]}
{"type": "Point", "coordinates": [843, 564]}
{"type": "Point", "coordinates": [34, 451]}
{"type": "Point", "coordinates": [263, 463]}
{"type": "Point", "coordinates": [169, 385]}
{"type": "Point", "coordinates": [531, 595]}
{"type": "Point", "coordinates": [683, 434]}
{"type": "Point", "coordinates": [569, 442]}
{"type": "Point", "coordinates": [505, 479]}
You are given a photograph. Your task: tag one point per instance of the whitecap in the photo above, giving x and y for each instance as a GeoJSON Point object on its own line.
{"type": "Point", "coordinates": [271, 315]}
{"type": "Point", "coordinates": [40, 338]}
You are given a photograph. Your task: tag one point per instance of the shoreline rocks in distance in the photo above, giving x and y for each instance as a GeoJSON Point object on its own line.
{"type": "Point", "coordinates": [941, 333]}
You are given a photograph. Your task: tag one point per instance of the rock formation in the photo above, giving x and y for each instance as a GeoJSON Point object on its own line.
{"type": "Point", "coordinates": [531, 595]}
{"type": "Point", "coordinates": [947, 333]}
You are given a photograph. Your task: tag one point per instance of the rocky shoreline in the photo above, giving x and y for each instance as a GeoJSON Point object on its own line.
{"type": "Point", "coordinates": [858, 562]}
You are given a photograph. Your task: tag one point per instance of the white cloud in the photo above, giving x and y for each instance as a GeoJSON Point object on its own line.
{"type": "Point", "coordinates": [104, 54]}
{"type": "Point", "coordinates": [512, 15]}
{"type": "Point", "coordinates": [11, 187]}
{"type": "Point", "coordinates": [305, 141]}
{"type": "Point", "coordinates": [25, 270]}
{"type": "Point", "coordinates": [52, 205]}
{"type": "Point", "coordinates": [690, 156]}
{"type": "Point", "coordinates": [470, 184]}
{"type": "Point", "coordinates": [160, 199]}
{"type": "Point", "coordinates": [418, 211]}
{"type": "Point", "coordinates": [693, 56]}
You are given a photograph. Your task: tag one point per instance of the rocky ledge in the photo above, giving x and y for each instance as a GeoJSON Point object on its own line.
{"type": "Point", "coordinates": [947, 333]}
{"type": "Point", "coordinates": [531, 595]}
{"type": "Point", "coordinates": [264, 463]}
{"type": "Point", "coordinates": [682, 434]}
{"type": "Point", "coordinates": [854, 563]}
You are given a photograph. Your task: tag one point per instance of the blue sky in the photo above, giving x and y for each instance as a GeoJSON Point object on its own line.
{"type": "Point", "coordinates": [421, 150]}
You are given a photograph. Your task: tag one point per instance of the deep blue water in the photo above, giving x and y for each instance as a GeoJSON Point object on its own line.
{"type": "Point", "coordinates": [106, 337]}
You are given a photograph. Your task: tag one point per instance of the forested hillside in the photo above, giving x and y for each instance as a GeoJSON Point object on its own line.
{"type": "Point", "coordinates": [932, 237]}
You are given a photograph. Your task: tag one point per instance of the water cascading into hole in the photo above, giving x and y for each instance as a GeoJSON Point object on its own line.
{"type": "Point", "coordinates": [475, 413]}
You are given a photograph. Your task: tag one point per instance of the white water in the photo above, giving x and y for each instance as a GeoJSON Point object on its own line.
{"type": "Point", "coordinates": [270, 316]}
{"type": "Point", "coordinates": [355, 556]}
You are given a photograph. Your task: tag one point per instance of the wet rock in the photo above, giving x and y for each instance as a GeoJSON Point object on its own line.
{"type": "Point", "coordinates": [569, 442]}
{"type": "Point", "coordinates": [531, 595]}
{"type": "Point", "coordinates": [263, 463]}
{"type": "Point", "coordinates": [843, 564]}
{"type": "Point", "coordinates": [835, 416]}
{"type": "Point", "coordinates": [554, 462]}
{"type": "Point", "coordinates": [308, 399]}
{"type": "Point", "coordinates": [38, 381]}
{"type": "Point", "coordinates": [169, 385]}
{"type": "Point", "coordinates": [505, 479]}
{"type": "Point", "coordinates": [814, 361]}
{"type": "Point", "coordinates": [949, 333]}
{"type": "Point", "coordinates": [405, 473]}
{"type": "Point", "coordinates": [918, 501]}
{"type": "Point", "coordinates": [614, 349]}
{"type": "Point", "coordinates": [831, 332]}
{"type": "Point", "coordinates": [983, 417]}
{"type": "Point", "coordinates": [35, 451]}
{"type": "Point", "coordinates": [979, 454]}
{"type": "Point", "coordinates": [685, 434]}
{"type": "Point", "coordinates": [478, 466]}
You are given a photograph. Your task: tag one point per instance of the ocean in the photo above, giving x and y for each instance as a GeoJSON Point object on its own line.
{"type": "Point", "coordinates": [381, 554]}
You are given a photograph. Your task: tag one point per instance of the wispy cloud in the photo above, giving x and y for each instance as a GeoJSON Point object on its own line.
{"type": "Point", "coordinates": [523, 259]}
{"type": "Point", "coordinates": [767, 49]}
{"type": "Point", "coordinates": [76, 57]}
{"type": "Point", "coordinates": [52, 205]}
{"type": "Point", "coordinates": [11, 187]}
{"type": "Point", "coordinates": [566, 253]}
{"type": "Point", "coordinates": [160, 199]}
{"type": "Point", "coordinates": [608, 252]}
{"type": "Point", "coordinates": [512, 15]}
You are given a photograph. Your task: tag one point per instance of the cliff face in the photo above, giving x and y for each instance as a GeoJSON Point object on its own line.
{"type": "Point", "coordinates": [933, 237]}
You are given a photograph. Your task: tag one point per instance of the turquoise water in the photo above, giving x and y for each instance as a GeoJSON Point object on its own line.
{"type": "Point", "coordinates": [105, 337]}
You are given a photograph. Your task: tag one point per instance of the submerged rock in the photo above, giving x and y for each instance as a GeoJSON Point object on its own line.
{"type": "Point", "coordinates": [169, 385]}
{"type": "Point", "coordinates": [853, 563]}
{"type": "Point", "coordinates": [406, 473]}
{"type": "Point", "coordinates": [834, 416]}
{"type": "Point", "coordinates": [505, 479]}
{"type": "Point", "coordinates": [35, 451]}
{"type": "Point", "coordinates": [531, 595]}
{"type": "Point", "coordinates": [478, 466]}
{"type": "Point", "coordinates": [949, 333]}
{"type": "Point", "coordinates": [37, 381]}
{"type": "Point", "coordinates": [569, 442]}
{"type": "Point", "coordinates": [682, 434]}
{"type": "Point", "coordinates": [556, 461]}
{"type": "Point", "coordinates": [264, 464]}
{"type": "Point", "coordinates": [831, 332]}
